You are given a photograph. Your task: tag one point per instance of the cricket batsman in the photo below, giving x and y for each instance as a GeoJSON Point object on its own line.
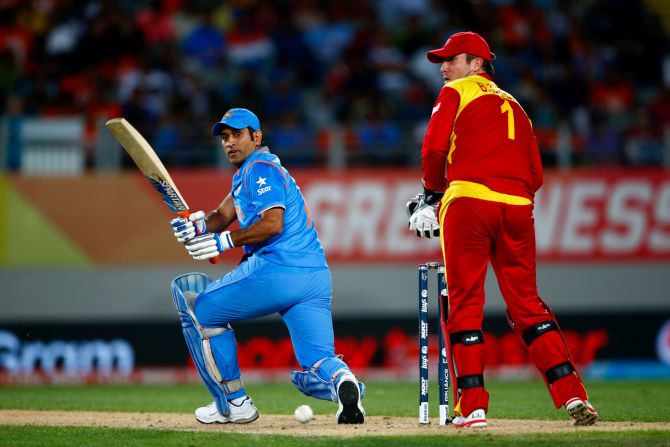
{"type": "Point", "coordinates": [283, 270]}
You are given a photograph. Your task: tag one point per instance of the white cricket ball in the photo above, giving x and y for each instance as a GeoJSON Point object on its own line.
{"type": "Point", "coordinates": [303, 414]}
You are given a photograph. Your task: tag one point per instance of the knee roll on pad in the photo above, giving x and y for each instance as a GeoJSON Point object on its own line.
{"type": "Point", "coordinates": [191, 282]}
{"type": "Point", "coordinates": [544, 305]}
{"type": "Point", "coordinates": [322, 378]}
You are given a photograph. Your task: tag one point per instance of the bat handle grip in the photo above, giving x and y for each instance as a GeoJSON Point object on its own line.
{"type": "Point", "coordinates": [185, 215]}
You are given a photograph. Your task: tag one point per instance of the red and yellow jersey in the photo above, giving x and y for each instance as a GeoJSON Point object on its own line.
{"type": "Point", "coordinates": [481, 135]}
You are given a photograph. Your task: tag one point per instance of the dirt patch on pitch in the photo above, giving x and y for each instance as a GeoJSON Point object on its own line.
{"type": "Point", "coordinates": [321, 425]}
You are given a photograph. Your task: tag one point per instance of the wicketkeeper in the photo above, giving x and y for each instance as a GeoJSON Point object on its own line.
{"type": "Point", "coordinates": [482, 207]}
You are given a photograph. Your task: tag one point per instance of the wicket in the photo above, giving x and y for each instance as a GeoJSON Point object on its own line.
{"type": "Point", "coordinates": [443, 365]}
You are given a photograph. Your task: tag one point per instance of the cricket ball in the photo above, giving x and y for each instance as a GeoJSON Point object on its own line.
{"type": "Point", "coordinates": [303, 414]}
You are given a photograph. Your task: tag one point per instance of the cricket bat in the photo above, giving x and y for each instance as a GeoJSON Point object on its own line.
{"type": "Point", "coordinates": [151, 166]}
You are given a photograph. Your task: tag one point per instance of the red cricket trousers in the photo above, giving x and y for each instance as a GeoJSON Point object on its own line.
{"type": "Point", "coordinates": [474, 232]}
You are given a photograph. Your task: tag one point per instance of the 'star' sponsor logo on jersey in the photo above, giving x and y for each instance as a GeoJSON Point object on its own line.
{"type": "Point", "coordinates": [472, 339]}
{"type": "Point", "coordinates": [262, 189]}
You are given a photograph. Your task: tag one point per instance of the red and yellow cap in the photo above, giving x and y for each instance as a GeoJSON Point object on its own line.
{"type": "Point", "coordinates": [465, 42]}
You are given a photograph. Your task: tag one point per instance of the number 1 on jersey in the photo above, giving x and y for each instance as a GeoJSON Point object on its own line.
{"type": "Point", "coordinates": [507, 108]}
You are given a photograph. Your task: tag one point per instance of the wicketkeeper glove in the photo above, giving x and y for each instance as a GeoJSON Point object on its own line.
{"type": "Point", "coordinates": [422, 217]}
{"type": "Point", "coordinates": [186, 229]}
{"type": "Point", "coordinates": [209, 245]}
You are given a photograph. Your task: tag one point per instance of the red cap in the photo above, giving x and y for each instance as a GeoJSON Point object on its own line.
{"type": "Point", "coordinates": [465, 42]}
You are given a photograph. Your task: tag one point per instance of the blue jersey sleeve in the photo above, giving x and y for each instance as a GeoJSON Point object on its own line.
{"type": "Point", "coordinates": [266, 183]}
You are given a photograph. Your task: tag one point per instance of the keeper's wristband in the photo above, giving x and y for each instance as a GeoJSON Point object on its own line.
{"type": "Point", "coordinates": [432, 197]}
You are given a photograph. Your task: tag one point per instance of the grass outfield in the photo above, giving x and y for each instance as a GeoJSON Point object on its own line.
{"type": "Point", "coordinates": [616, 401]}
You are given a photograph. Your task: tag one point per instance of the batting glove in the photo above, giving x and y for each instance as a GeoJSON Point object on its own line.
{"type": "Point", "coordinates": [423, 217]}
{"type": "Point", "coordinates": [209, 245]}
{"type": "Point", "coordinates": [186, 229]}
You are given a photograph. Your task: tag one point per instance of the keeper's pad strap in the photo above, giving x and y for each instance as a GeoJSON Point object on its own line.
{"type": "Point", "coordinates": [467, 337]}
{"type": "Point", "coordinates": [559, 371]}
{"type": "Point", "coordinates": [473, 381]}
{"type": "Point", "coordinates": [536, 330]}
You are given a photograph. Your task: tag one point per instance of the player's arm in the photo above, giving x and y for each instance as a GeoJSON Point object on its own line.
{"type": "Point", "coordinates": [266, 184]}
{"type": "Point", "coordinates": [219, 219]}
{"type": "Point", "coordinates": [422, 209]}
{"type": "Point", "coordinates": [212, 244]}
{"type": "Point", "coordinates": [435, 147]}
{"type": "Point", "coordinates": [537, 176]}
{"type": "Point", "coordinates": [271, 223]}
{"type": "Point", "coordinates": [270, 199]}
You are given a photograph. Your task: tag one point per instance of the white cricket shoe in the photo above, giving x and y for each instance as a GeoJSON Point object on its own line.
{"type": "Point", "coordinates": [581, 411]}
{"type": "Point", "coordinates": [238, 412]}
{"type": "Point", "coordinates": [476, 419]}
{"type": "Point", "coordinates": [350, 410]}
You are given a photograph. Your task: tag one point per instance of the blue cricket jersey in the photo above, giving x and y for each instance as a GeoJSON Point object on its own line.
{"type": "Point", "coordinates": [262, 183]}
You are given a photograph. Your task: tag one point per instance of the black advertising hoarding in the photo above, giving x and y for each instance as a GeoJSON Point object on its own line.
{"type": "Point", "coordinates": [604, 345]}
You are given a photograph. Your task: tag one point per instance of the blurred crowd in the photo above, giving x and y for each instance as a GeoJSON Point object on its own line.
{"type": "Point", "coordinates": [593, 75]}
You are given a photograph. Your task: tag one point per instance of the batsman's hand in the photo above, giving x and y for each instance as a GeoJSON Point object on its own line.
{"type": "Point", "coordinates": [209, 245]}
{"type": "Point", "coordinates": [186, 229]}
{"type": "Point", "coordinates": [422, 217]}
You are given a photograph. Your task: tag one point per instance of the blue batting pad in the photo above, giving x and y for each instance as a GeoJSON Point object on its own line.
{"type": "Point", "coordinates": [319, 383]}
{"type": "Point", "coordinates": [196, 283]}
{"type": "Point", "coordinates": [310, 384]}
